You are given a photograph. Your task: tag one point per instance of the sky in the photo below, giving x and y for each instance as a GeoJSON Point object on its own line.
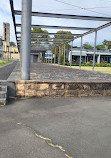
{"type": "Point", "coordinates": [74, 7]}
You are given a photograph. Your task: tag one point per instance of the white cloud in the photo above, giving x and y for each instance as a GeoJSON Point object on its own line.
{"type": "Point", "coordinates": [53, 6]}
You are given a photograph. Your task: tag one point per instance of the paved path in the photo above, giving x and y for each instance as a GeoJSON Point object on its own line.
{"type": "Point", "coordinates": [44, 72]}
{"type": "Point", "coordinates": [81, 126]}
{"type": "Point", "coordinates": [6, 70]}
{"type": "Point", "coordinates": [48, 72]}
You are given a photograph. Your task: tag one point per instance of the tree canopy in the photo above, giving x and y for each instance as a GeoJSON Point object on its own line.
{"type": "Point", "coordinates": [39, 30]}
{"type": "Point", "coordinates": [99, 47]}
{"type": "Point", "coordinates": [107, 44]}
{"type": "Point", "coordinates": [87, 46]}
{"type": "Point", "coordinates": [12, 44]}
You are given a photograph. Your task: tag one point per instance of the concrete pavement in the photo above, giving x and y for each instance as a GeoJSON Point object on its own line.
{"type": "Point", "coordinates": [80, 126]}
{"type": "Point", "coordinates": [6, 70]}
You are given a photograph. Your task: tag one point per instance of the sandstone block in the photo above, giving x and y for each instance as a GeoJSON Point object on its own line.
{"type": "Point", "coordinates": [58, 86]}
{"type": "Point", "coordinates": [20, 87]}
{"type": "Point", "coordinates": [42, 86]}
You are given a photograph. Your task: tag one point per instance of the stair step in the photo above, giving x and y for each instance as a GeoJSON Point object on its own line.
{"type": "Point", "coordinates": [3, 88]}
{"type": "Point", "coordinates": [3, 95]}
{"type": "Point", "coordinates": [3, 92]}
{"type": "Point", "coordinates": [3, 101]}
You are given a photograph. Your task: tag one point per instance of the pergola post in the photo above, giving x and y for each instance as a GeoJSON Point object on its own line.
{"type": "Point", "coordinates": [26, 39]}
{"type": "Point", "coordinates": [94, 50]}
{"type": "Point", "coordinates": [80, 53]}
{"type": "Point", "coordinates": [55, 56]}
{"type": "Point", "coordinates": [59, 56]}
{"type": "Point", "coordinates": [64, 53]}
{"type": "Point", "coordinates": [71, 55]}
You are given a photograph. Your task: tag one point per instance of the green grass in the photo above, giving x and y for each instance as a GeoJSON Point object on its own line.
{"type": "Point", "coordinates": [4, 62]}
{"type": "Point", "coordinates": [97, 69]}
{"type": "Point", "coordinates": [106, 70]}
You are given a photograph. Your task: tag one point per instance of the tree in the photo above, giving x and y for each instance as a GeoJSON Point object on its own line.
{"type": "Point", "coordinates": [12, 44]}
{"type": "Point", "coordinates": [87, 46]}
{"type": "Point", "coordinates": [109, 44]}
{"type": "Point", "coordinates": [39, 30]}
{"type": "Point", "coordinates": [105, 42]}
{"type": "Point", "coordinates": [99, 47]}
{"type": "Point", "coordinates": [62, 36]}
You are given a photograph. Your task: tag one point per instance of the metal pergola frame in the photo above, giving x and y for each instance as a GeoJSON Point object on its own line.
{"type": "Point", "coordinates": [52, 15]}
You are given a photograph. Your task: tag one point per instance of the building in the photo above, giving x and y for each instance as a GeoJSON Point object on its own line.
{"type": "Point", "coordinates": [1, 45]}
{"type": "Point", "coordinates": [49, 56]}
{"type": "Point", "coordinates": [9, 52]}
{"type": "Point", "coordinates": [101, 56]}
{"type": "Point", "coordinates": [6, 37]}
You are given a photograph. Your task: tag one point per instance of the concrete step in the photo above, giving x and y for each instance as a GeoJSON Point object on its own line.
{"type": "Point", "coordinates": [3, 101]}
{"type": "Point", "coordinates": [3, 88]}
{"type": "Point", "coordinates": [3, 94]}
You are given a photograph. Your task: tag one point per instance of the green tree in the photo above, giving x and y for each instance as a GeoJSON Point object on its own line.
{"type": "Point", "coordinates": [12, 44]}
{"type": "Point", "coordinates": [99, 47]}
{"type": "Point", "coordinates": [39, 30]}
{"type": "Point", "coordinates": [62, 46]}
{"type": "Point", "coordinates": [105, 42]}
{"type": "Point", "coordinates": [109, 45]}
{"type": "Point", "coordinates": [87, 46]}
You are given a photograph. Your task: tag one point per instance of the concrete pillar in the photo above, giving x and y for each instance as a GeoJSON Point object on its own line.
{"type": "Point", "coordinates": [85, 59]}
{"type": "Point", "coordinates": [44, 57]}
{"type": "Point", "coordinates": [98, 59]}
{"type": "Point", "coordinates": [59, 55]}
{"type": "Point", "coordinates": [80, 54]}
{"type": "Point", "coordinates": [94, 50]}
{"type": "Point", "coordinates": [64, 53]}
{"type": "Point", "coordinates": [55, 56]}
{"type": "Point", "coordinates": [26, 39]}
{"type": "Point", "coordinates": [71, 55]}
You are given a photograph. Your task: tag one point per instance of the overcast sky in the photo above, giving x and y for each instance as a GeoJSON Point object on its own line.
{"type": "Point", "coordinates": [93, 8]}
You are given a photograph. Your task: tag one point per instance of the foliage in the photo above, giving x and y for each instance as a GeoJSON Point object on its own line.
{"type": "Point", "coordinates": [62, 46]}
{"type": "Point", "coordinates": [12, 44]}
{"type": "Point", "coordinates": [62, 60]}
{"type": "Point", "coordinates": [97, 65]}
{"type": "Point", "coordinates": [39, 30]}
{"type": "Point", "coordinates": [99, 47]}
{"type": "Point", "coordinates": [87, 46]}
{"type": "Point", "coordinates": [107, 44]}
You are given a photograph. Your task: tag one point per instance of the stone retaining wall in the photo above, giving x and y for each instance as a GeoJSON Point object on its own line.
{"type": "Point", "coordinates": [62, 89]}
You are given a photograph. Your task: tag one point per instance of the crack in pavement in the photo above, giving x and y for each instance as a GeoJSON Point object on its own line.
{"type": "Point", "coordinates": [47, 140]}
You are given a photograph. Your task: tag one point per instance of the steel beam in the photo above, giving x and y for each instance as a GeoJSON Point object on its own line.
{"type": "Point", "coordinates": [66, 16]}
{"type": "Point", "coordinates": [48, 38]}
{"type": "Point", "coordinates": [59, 27]}
{"type": "Point", "coordinates": [54, 34]}
{"type": "Point", "coordinates": [26, 39]}
{"type": "Point", "coordinates": [13, 16]}
{"type": "Point", "coordinates": [97, 29]}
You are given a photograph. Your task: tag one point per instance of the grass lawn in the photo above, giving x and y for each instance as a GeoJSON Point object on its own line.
{"type": "Point", "coordinates": [4, 62]}
{"type": "Point", "coordinates": [97, 69]}
{"type": "Point", "coordinates": [89, 68]}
